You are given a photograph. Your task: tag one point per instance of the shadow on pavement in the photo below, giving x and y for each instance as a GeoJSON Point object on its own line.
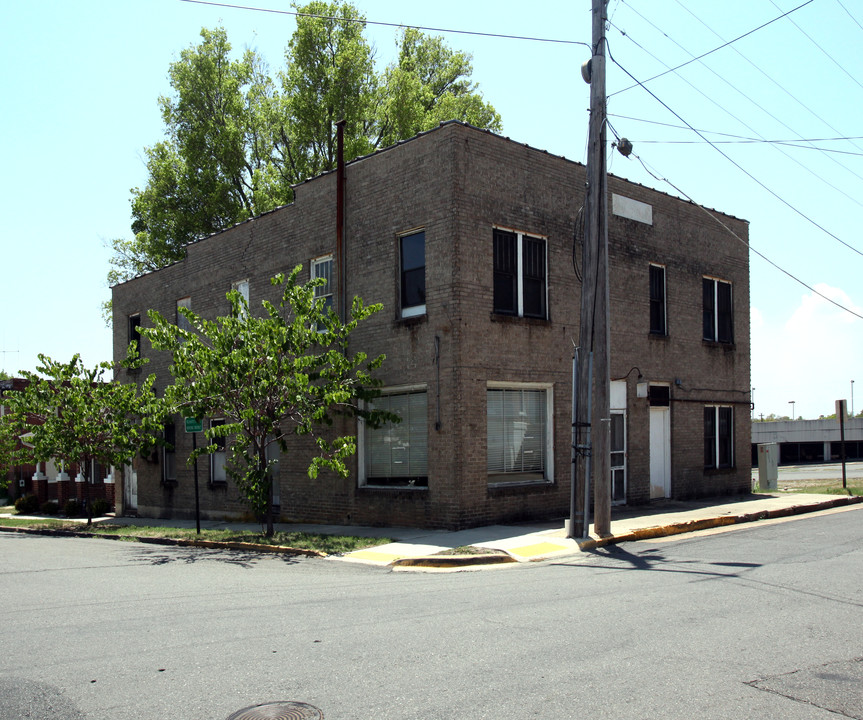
{"type": "Point", "coordinates": [189, 555]}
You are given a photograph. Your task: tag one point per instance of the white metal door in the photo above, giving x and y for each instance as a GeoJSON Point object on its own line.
{"type": "Point", "coordinates": [660, 452]}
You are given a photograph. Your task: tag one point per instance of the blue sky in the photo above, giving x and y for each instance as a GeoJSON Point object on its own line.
{"type": "Point", "coordinates": [80, 86]}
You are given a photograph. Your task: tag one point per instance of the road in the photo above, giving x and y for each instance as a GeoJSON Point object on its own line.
{"type": "Point", "coordinates": [765, 621]}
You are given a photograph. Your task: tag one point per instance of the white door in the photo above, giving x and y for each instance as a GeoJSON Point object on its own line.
{"type": "Point", "coordinates": [660, 452]}
{"type": "Point", "coordinates": [130, 489]}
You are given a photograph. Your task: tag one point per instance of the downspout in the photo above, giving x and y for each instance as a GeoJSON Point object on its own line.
{"type": "Point", "coordinates": [341, 290]}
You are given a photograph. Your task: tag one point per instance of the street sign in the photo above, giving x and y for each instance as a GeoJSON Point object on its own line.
{"type": "Point", "coordinates": [194, 425]}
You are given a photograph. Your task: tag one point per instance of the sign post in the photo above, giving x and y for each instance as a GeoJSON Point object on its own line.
{"type": "Point", "coordinates": [194, 426]}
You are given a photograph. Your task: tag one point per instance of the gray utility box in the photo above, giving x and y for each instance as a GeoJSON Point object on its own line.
{"type": "Point", "coordinates": [768, 466]}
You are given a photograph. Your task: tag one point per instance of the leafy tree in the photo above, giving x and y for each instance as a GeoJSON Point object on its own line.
{"type": "Point", "coordinates": [236, 139]}
{"type": "Point", "coordinates": [74, 415]}
{"type": "Point", "coordinates": [285, 373]}
{"type": "Point", "coordinates": [11, 452]}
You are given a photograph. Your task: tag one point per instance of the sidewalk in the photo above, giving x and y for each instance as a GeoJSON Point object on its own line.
{"type": "Point", "coordinates": [541, 541]}
{"type": "Point", "coordinates": [530, 542]}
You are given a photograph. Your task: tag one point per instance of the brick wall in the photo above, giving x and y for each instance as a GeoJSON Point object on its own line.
{"type": "Point", "coordinates": [457, 183]}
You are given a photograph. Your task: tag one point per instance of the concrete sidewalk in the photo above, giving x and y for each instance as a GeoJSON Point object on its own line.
{"type": "Point", "coordinates": [541, 541]}
{"type": "Point", "coordinates": [497, 544]}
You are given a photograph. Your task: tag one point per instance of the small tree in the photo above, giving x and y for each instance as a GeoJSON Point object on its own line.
{"type": "Point", "coordinates": [74, 415]}
{"type": "Point", "coordinates": [285, 373]}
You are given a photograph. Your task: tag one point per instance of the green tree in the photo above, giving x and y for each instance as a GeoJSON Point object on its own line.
{"type": "Point", "coordinates": [237, 139]}
{"type": "Point", "coordinates": [285, 373]}
{"type": "Point", "coordinates": [74, 415]}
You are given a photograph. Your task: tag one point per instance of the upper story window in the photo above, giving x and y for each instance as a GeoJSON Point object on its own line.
{"type": "Point", "coordinates": [183, 322]}
{"type": "Point", "coordinates": [718, 313]}
{"type": "Point", "coordinates": [412, 263]}
{"type": "Point", "coordinates": [322, 268]}
{"type": "Point", "coordinates": [242, 287]}
{"type": "Point", "coordinates": [519, 274]}
{"type": "Point", "coordinates": [134, 325]}
{"type": "Point", "coordinates": [658, 324]}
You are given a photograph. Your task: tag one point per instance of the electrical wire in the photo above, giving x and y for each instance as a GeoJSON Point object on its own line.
{"type": "Point", "coordinates": [724, 109]}
{"type": "Point", "coordinates": [827, 54]}
{"type": "Point", "coordinates": [751, 141]}
{"type": "Point", "coordinates": [781, 87]}
{"type": "Point", "coordinates": [387, 24]}
{"type": "Point", "coordinates": [748, 245]}
{"type": "Point", "coordinates": [839, 2]}
{"type": "Point", "coordinates": [731, 160]}
{"type": "Point", "coordinates": [709, 52]}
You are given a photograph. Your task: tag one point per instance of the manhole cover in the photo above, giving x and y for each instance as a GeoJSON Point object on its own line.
{"type": "Point", "coordinates": [279, 711]}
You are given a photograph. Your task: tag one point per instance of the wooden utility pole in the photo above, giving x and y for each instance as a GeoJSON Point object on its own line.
{"type": "Point", "coordinates": [593, 418]}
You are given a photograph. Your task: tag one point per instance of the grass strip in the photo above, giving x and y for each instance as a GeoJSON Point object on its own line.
{"type": "Point", "coordinates": [317, 542]}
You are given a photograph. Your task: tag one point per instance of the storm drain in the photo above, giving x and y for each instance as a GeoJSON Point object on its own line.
{"type": "Point", "coordinates": [278, 711]}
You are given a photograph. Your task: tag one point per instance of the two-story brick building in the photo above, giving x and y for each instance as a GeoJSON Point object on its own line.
{"type": "Point", "coordinates": [469, 240]}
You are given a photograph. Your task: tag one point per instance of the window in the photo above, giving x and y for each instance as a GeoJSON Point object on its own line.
{"type": "Point", "coordinates": [169, 452]}
{"type": "Point", "coordinates": [412, 254]}
{"type": "Point", "coordinates": [718, 436]}
{"type": "Point", "coordinates": [182, 322]}
{"type": "Point", "coordinates": [242, 287]}
{"type": "Point", "coordinates": [323, 268]}
{"type": "Point", "coordinates": [519, 434]}
{"type": "Point", "coordinates": [218, 473]}
{"type": "Point", "coordinates": [396, 454]}
{"type": "Point", "coordinates": [134, 332]}
{"type": "Point", "coordinates": [657, 300]}
{"type": "Point", "coordinates": [519, 274]}
{"type": "Point", "coordinates": [718, 310]}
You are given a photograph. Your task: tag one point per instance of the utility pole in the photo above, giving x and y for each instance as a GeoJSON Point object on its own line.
{"type": "Point", "coordinates": [593, 418]}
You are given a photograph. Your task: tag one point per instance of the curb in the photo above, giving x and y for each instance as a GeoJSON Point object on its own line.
{"type": "Point", "coordinates": [708, 523]}
{"type": "Point", "coordinates": [452, 561]}
{"type": "Point", "coordinates": [211, 544]}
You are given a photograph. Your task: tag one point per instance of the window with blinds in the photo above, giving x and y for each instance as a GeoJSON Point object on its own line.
{"type": "Point", "coordinates": [517, 434]}
{"type": "Point", "coordinates": [396, 454]}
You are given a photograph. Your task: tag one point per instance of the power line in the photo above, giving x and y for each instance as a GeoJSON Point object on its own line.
{"type": "Point", "coordinates": [750, 141]}
{"type": "Point", "coordinates": [731, 135]}
{"type": "Point", "coordinates": [782, 88]}
{"type": "Point", "coordinates": [709, 52]}
{"type": "Point", "coordinates": [732, 161]}
{"type": "Point", "coordinates": [748, 245]}
{"type": "Point", "coordinates": [388, 24]}
{"type": "Point", "coordinates": [734, 87]}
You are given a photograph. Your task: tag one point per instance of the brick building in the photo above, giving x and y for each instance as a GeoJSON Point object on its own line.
{"type": "Point", "coordinates": [468, 240]}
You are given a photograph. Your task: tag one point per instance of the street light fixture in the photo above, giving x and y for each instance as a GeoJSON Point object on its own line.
{"type": "Point", "coordinates": [791, 403]}
{"type": "Point", "coordinates": [852, 398]}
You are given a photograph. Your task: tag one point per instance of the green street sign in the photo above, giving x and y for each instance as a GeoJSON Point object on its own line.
{"type": "Point", "coordinates": [194, 425]}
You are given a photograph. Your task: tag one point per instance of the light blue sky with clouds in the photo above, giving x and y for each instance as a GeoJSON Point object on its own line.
{"type": "Point", "coordinates": [80, 85]}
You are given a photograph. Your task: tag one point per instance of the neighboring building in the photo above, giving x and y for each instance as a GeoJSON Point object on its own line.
{"type": "Point", "coordinates": [809, 441]}
{"type": "Point", "coordinates": [468, 240]}
{"type": "Point", "coordinates": [51, 480]}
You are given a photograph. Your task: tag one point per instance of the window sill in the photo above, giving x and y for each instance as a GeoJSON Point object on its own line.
{"type": "Point", "coordinates": [728, 347]}
{"type": "Point", "coordinates": [658, 335]}
{"type": "Point", "coordinates": [409, 488]}
{"type": "Point", "coordinates": [720, 470]}
{"type": "Point", "coordinates": [518, 486]}
{"type": "Point", "coordinates": [519, 320]}
{"type": "Point", "coordinates": [411, 321]}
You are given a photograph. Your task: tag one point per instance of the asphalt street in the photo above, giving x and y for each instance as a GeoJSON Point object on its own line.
{"type": "Point", "coordinates": [763, 621]}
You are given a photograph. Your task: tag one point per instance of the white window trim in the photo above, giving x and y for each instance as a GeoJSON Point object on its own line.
{"type": "Point", "coordinates": [240, 286]}
{"type": "Point", "coordinates": [314, 263]}
{"type": "Point", "coordinates": [549, 420]}
{"type": "Point", "coordinates": [716, 280]}
{"type": "Point", "coordinates": [520, 235]}
{"type": "Point", "coordinates": [361, 438]}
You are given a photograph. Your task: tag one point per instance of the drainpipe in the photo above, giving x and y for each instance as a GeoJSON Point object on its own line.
{"type": "Point", "coordinates": [341, 293]}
